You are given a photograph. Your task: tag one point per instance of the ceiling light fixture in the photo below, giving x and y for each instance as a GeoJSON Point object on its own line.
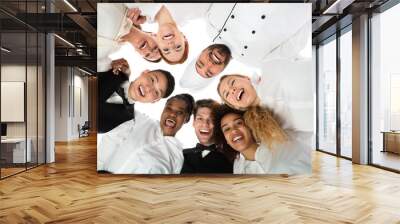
{"type": "Point", "coordinates": [84, 71]}
{"type": "Point", "coordinates": [70, 5]}
{"type": "Point", "coordinates": [5, 50]}
{"type": "Point", "coordinates": [64, 40]}
{"type": "Point", "coordinates": [337, 7]}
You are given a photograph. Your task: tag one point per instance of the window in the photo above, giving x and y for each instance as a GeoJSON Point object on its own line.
{"type": "Point", "coordinates": [346, 94]}
{"type": "Point", "coordinates": [327, 97]}
{"type": "Point", "coordinates": [385, 88]}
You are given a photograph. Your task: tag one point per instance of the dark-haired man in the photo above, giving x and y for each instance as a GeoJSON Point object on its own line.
{"type": "Point", "coordinates": [204, 157]}
{"type": "Point", "coordinates": [146, 146]}
{"type": "Point", "coordinates": [117, 94]}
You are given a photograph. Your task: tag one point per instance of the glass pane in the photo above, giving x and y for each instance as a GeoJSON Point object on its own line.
{"type": "Point", "coordinates": [386, 89]}
{"type": "Point", "coordinates": [31, 97]}
{"type": "Point", "coordinates": [327, 97]}
{"type": "Point", "coordinates": [346, 94]}
{"type": "Point", "coordinates": [13, 86]}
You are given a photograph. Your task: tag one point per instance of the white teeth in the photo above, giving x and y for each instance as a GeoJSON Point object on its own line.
{"type": "Point", "coordinates": [144, 45]}
{"type": "Point", "coordinates": [237, 138]}
{"type": "Point", "coordinates": [170, 123]}
{"type": "Point", "coordinates": [215, 58]}
{"type": "Point", "coordinates": [239, 95]}
{"type": "Point", "coordinates": [204, 131]}
{"type": "Point", "coordinates": [141, 90]}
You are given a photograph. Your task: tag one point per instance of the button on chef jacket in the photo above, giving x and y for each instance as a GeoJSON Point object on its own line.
{"type": "Point", "coordinates": [291, 157]}
{"type": "Point", "coordinates": [139, 147]}
{"type": "Point", "coordinates": [258, 32]}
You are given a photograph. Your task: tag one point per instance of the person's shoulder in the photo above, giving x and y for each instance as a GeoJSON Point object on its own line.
{"type": "Point", "coordinates": [189, 151]}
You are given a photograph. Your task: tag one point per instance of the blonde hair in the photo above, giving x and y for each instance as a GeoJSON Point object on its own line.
{"type": "Point", "coordinates": [264, 125]}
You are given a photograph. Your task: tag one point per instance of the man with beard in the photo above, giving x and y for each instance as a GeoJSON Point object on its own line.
{"type": "Point", "coordinates": [205, 157]}
{"type": "Point", "coordinates": [146, 146]}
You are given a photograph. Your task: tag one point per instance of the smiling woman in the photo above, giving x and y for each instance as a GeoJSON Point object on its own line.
{"type": "Point", "coordinates": [257, 144]}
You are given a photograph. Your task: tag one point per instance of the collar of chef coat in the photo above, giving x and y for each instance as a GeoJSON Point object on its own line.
{"type": "Point", "coordinates": [192, 80]}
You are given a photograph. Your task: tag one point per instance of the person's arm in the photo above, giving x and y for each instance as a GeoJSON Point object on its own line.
{"type": "Point", "coordinates": [108, 83]}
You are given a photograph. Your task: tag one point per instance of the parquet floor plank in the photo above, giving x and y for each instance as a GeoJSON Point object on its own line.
{"type": "Point", "coordinates": [71, 191]}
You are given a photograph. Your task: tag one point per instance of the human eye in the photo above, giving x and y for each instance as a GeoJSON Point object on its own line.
{"type": "Point", "coordinates": [225, 129]}
{"type": "Point", "coordinates": [239, 122]}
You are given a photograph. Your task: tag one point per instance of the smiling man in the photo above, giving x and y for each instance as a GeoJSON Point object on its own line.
{"type": "Point", "coordinates": [117, 95]}
{"type": "Point", "coordinates": [146, 146]}
{"type": "Point", "coordinates": [204, 157]}
{"type": "Point", "coordinates": [201, 71]}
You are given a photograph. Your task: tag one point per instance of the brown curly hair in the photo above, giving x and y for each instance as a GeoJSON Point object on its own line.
{"type": "Point", "coordinates": [263, 125]}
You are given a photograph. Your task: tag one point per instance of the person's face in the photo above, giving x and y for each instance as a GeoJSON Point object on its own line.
{"type": "Point", "coordinates": [149, 87]}
{"type": "Point", "coordinates": [147, 47]}
{"type": "Point", "coordinates": [236, 133]}
{"type": "Point", "coordinates": [171, 42]}
{"type": "Point", "coordinates": [173, 117]}
{"type": "Point", "coordinates": [203, 125]}
{"type": "Point", "coordinates": [237, 91]}
{"type": "Point", "coordinates": [211, 62]}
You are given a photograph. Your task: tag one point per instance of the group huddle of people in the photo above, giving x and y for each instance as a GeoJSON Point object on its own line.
{"type": "Point", "coordinates": [256, 128]}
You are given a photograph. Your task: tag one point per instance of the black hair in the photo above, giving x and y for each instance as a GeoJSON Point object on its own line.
{"type": "Point", "coordinates": [220, 140]}
{"type": "Point", "coordinates": [170, 82]}
{"type": "Point", "coordinates": [224, 49]}
{"type": "Point", "coordinates": [188, 99]}
{"type": "Point", "coordinates": [207, 103]}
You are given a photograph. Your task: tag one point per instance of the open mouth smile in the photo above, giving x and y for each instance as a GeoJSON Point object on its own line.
{"type": "Point", "coordinates": [143, 45]}
{"type": "Point", "coordinates": [240, 94]}
{"type": "Point", "coordinates": [170, 123]}
{"type": "Point", "coordinates": [204, 131]}
{"type": "Point", "coordinates": [141, 91]}
{"type": "Point", "coordinates": [237, 138]}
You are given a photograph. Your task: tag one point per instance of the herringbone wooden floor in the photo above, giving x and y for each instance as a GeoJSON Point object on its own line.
{"type": "Point", "coordinates": [70, 191]}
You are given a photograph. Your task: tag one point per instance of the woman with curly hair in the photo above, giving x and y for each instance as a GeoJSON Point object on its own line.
{"type": "Point", "coordinates": [257, 144]}
{"type": "Point", "coordinates": [283, 86]}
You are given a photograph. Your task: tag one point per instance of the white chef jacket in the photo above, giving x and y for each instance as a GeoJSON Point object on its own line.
{"type": "Point", "coordinates": [258, 32]}
{"type": "Point", "coordinates": [139, 147]}
{"type": "Point", "coordinates": [286, 87]}
{"type": "Point", "coordinates": [291, 157]}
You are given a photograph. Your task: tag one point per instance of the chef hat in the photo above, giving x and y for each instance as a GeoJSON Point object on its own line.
{"type": "Point", "coordinates": [192, 80]}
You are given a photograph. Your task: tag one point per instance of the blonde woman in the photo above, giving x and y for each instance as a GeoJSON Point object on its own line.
{"type": "Point", "coordinates": [257, 144]}
{"type": "Point", "coordinates": [285, 87]}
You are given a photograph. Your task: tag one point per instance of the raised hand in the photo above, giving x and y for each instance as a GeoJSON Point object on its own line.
{"type": "Point", "coordinates": [134, 15]}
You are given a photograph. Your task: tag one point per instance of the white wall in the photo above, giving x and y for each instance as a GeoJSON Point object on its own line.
{"type": "Point", "coordinates": [67, 115]}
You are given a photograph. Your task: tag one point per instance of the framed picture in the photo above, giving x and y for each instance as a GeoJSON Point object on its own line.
{"type": "Point", "coordinates": [205, 88]}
